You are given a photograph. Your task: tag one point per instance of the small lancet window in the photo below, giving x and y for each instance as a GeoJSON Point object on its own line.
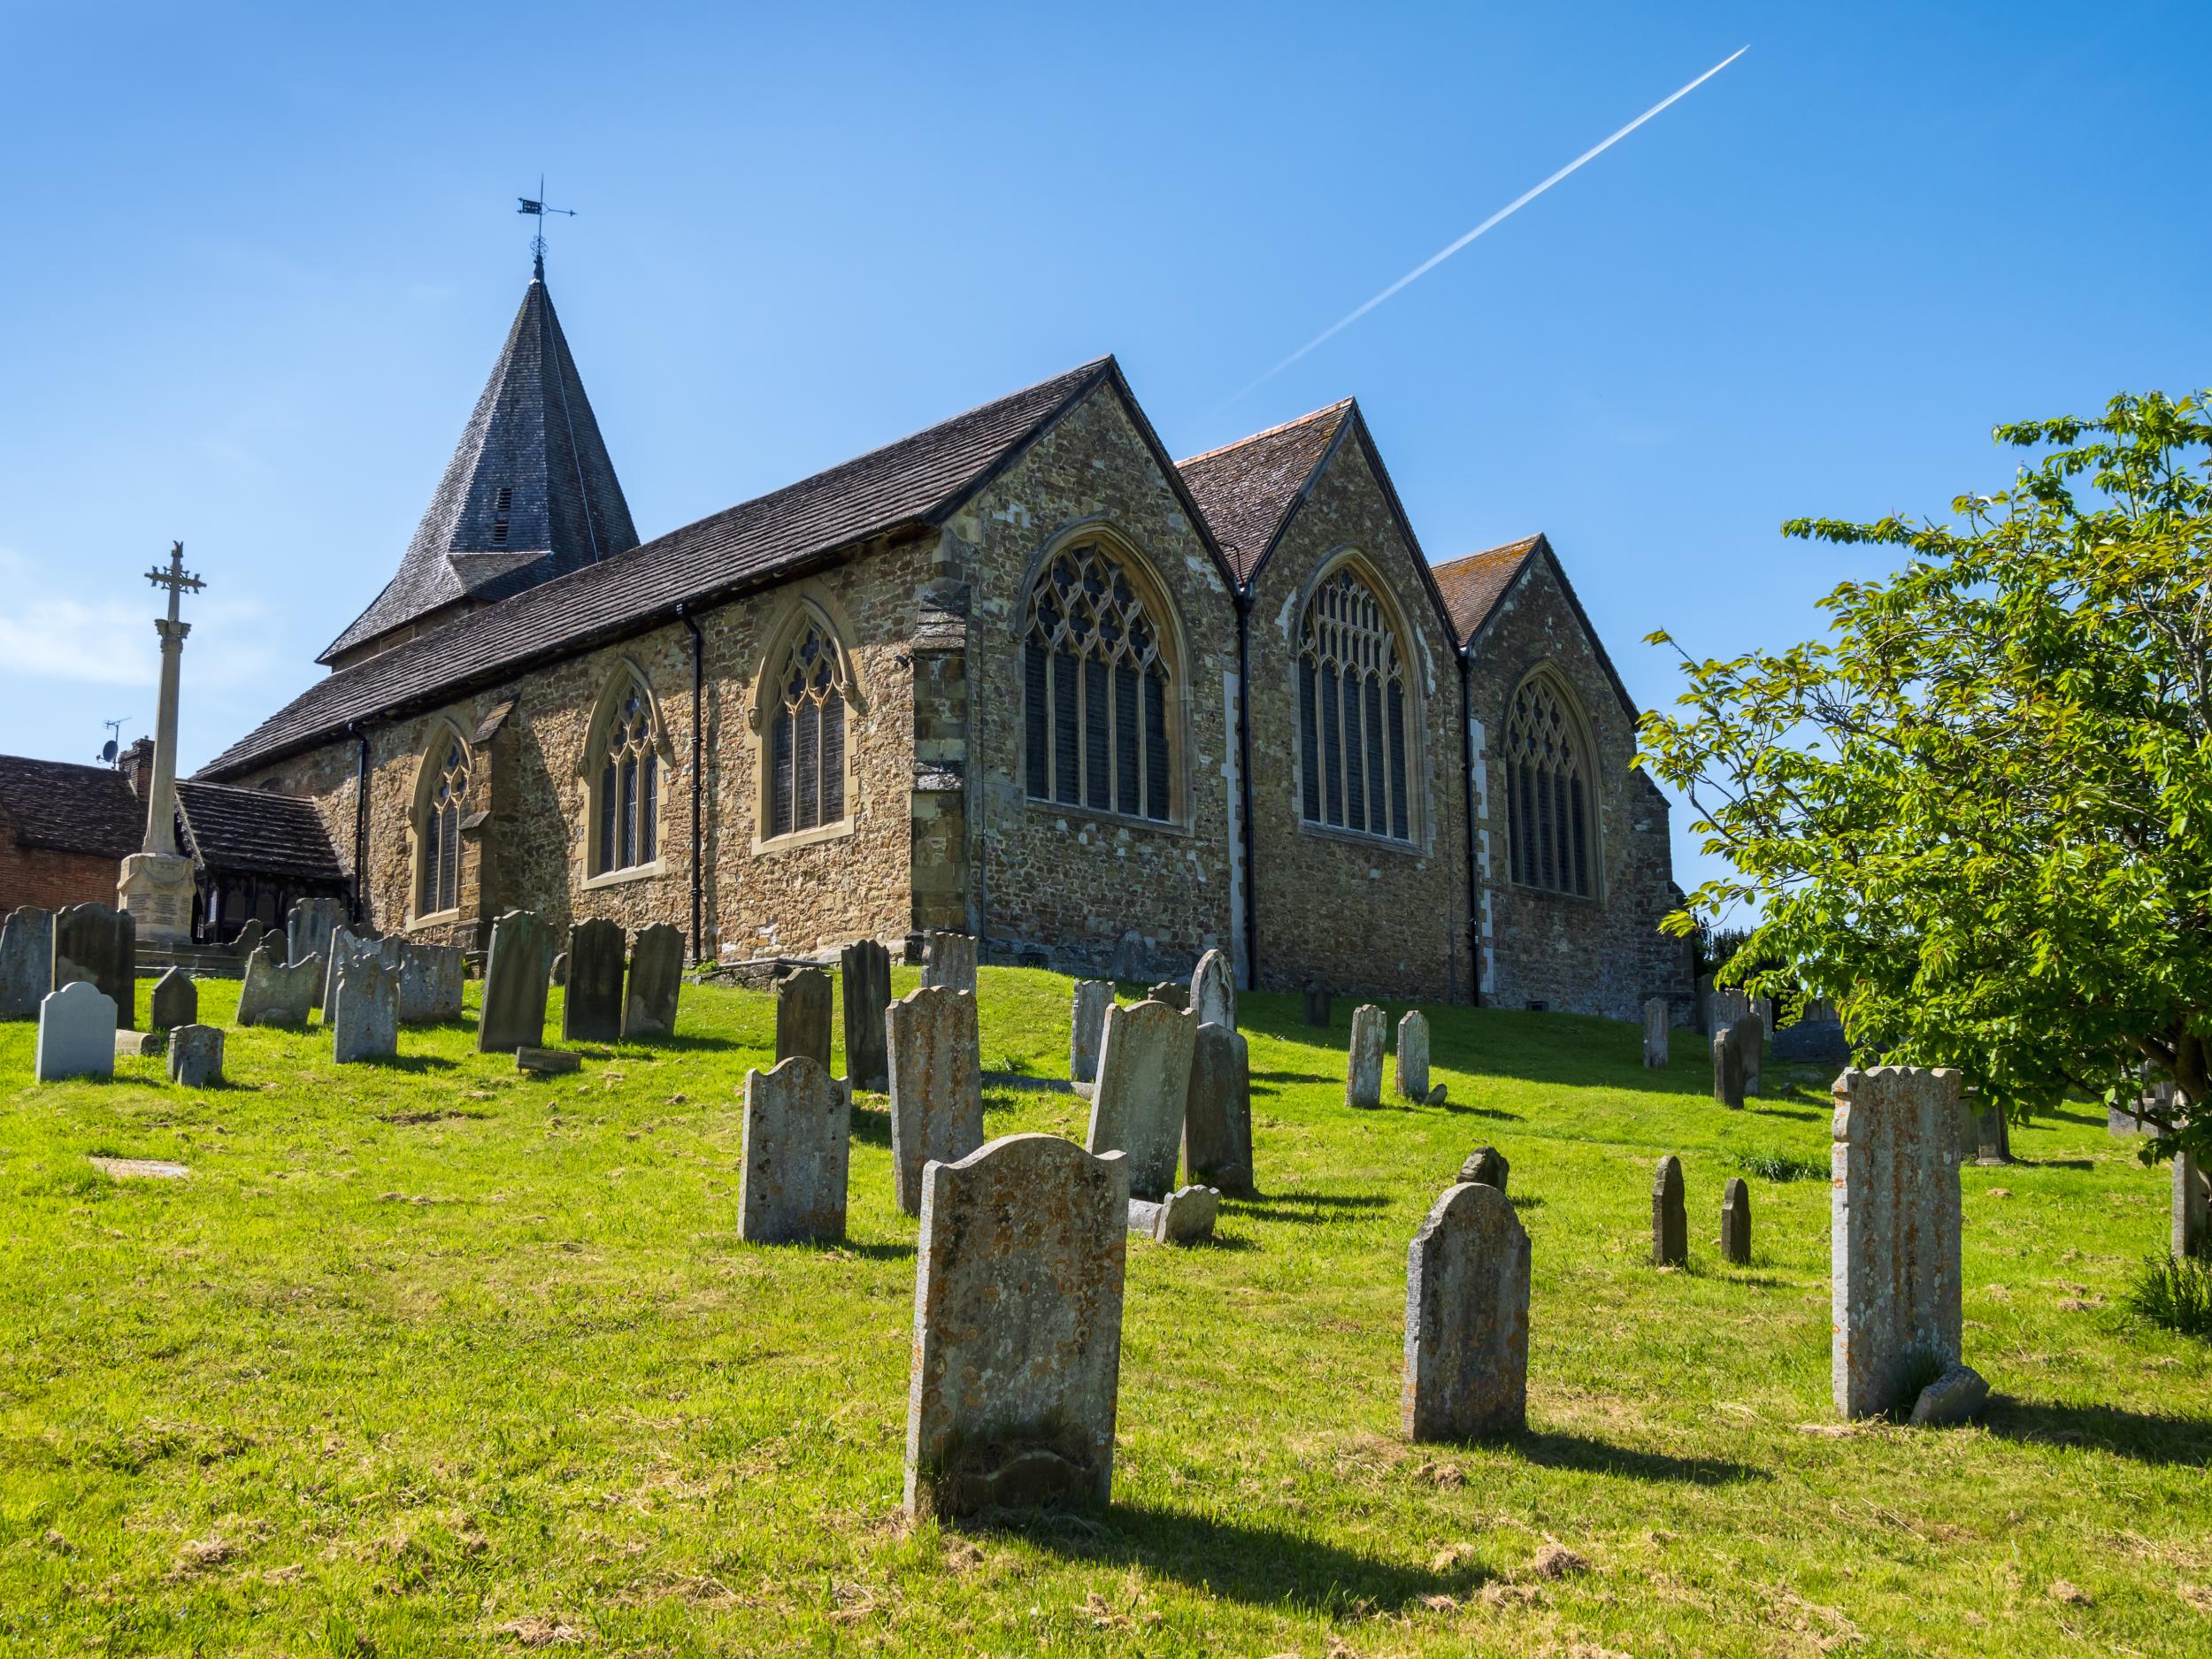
{"type": "Point", "coordinates": [806, 738]}
{"type": "Point", "coordinates": [1096, 690]}
{"type": "Point", "coordinates": [1546, 792]}
{"type": "Point", "coordinates": [439, 884]}
{"type": "Point", "coordinates": [629, 793]}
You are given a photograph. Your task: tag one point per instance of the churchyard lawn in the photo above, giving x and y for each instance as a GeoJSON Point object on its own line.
{"type": "Point", "coordinates": [430, 1357]}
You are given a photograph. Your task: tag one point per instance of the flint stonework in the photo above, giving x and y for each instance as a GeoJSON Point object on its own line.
{"type": "Point", "coordinates": [308, 926]}
{"type": "Point", "coordinates": [1217, 1116]}
{"type": "Point", "coordinates": [864, 972]}
{"type": "Point", "coordinates": [1144, 1066]}
{"type": "Point", "coordinates": [1669, 1223]}
{"type": "Point", "coordinates": [513, 1014]}
{"type": "Point", "coordinates": [76, 1033]}
{"type": "Point", "coordinates": [802, 1017]}
{"type": "Point", "coordinates": [930, 1040]}
{"type": "Point", "coordinates": [1362, 1063]}
{"type": "Point", "coordinates": [656, 978]}
{"type": "Point", "coordinates": [1735, 1222]}
{"type": "Point", "coordinates": [1316, 1011]}
{"type": "Point", "coordinates": [948, 961]}
{"type": "Point", "coordinates": [1656, 1013]}
{"type": "Point", "coordinates": [1486, 1166]}
{"type": "Point", "coordinates": [591, 1011]}
{"type": "Point", "coordinates": [278, 994]}
{"type": "Point", "coordinates": [1086, 1025]}
{"type": "Point", "coordinates": [2193, 1210]}
{"type": "Point", "coordinates": [1894, 1232]}
{"type": "Point", "coordinates": [430, 979]}
{"type": "Point", "coordinates": [366, 1025]}
{"type": "Point", "coordinates": [1411, 1073]}
{"type": "Point", "coordinates": [175, 1002]}
{"type": "Point", "coordinates": [1728, 1066]}
{"type": "Point", "coordinates": [798, 1136]}
{"type": "Point", "coordinates": [27, 961]}
{"type": "Point", "coordinates": [1467, 1279]}
{"type": "Point", "coordinates": [1213, 990]}
{"type": "Point", "coordinates": [103, 941]}
{"type": "Point", "coordinates": [1018, 1304]}
{"type": "Point", "coordinates": [196, 1057]}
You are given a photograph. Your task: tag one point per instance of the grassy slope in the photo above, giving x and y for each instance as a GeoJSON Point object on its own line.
{"type": "Point", "coordinates": [430, 1358]}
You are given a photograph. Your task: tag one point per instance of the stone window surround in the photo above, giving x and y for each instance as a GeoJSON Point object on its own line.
{"type": "Point", "coordinates": [429, 768]}
{"type": "Point", "coordinates": [624, 673]}
{"type": "Point", "coordinates": [804, 604]}
{"type": "Point", "coordinates": [1571, 704]}
{"type": "Point", "coordinates": [1419, 822]}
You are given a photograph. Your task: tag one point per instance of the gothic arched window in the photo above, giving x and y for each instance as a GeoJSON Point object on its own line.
{"type": "Point", "coordinates": [438, 827]}
{"type": "Point", "coordinates": [1096, 673]}
{"type": "Point", "coordinates": [626, 790]}
{"type": "Point", "coordinates": [806, 735]}
{"type": "Point", "coordinates": [1549, 822]}
{"type": "Point", "coordinates": [1354, 729]}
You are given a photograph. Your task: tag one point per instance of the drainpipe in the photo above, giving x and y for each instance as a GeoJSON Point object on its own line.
{"type": "Point", "coordinates": [1244, 783]}
{"type": "Point", "coordinates": [360, 815]}
{"type": "Point", "coordinates": [698, 768]}
{"type": "Point", "coordinates": [1467, 796]}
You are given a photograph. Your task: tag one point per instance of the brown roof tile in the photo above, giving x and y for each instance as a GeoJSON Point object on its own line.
{"type": "Point", "coordinates": [1473, 585]}
{"type": "Point", "coordinates": [256, 831]}
{"type": "Point", "coordinates": [1247, 488]}
{"type": "Point", "coordinates": [60, 807]}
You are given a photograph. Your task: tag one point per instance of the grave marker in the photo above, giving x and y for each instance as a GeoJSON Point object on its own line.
{"type": "Point", "coordinates": [76, 1033]}
{"type": "Point", "coordinates": [656, 978]}
{"type": "Point", "coordinates": [275, 993]}
{"type": "Point", "coordinates": [1728, 1066]}
{"type": "Point", "coordinates": [1316, 1009]}
{"type": "Point", "coordinates": [1412, 1071]}
{"type": "Point", "coordinates": [592, 1010]}
{"type": "Point", "coordinates": [798, 1136]}
{"type": "Point", "coordinates": [1486, 1166]}
{"type": "Point", "coordinates": [1218, 1117]}
{"type": "Point", "coordinates": [1735, 1222]}
{"type": "Point", "coordinates": [175, 1000]}
{"type": "Point", "coordinates": [1362, 1063]}
{"type": "Point", "coordinates": [1086, 1026]}
{"type": "Point", "coordinates": [802, 1017]}
{"type": "Point", "coordinates": [1670, 1223]}
{"type": "Point", "coordinates": [104, 944]}
{"type": "Point", "coordinates": [513, 1014]}
{"type": "Point", "coordinates": [196, 1057]}
{"type": "Point", "coordinates": [864, 969]}
{"type": "Point", "coordinates": [1657, 1011]}
{"type": "Point", "coordinates": [364, 1024]}
{"type": "Point", "coordinates": [27, 961]}
{"type": "Point", "coordinates": [430, 979]}
{"type": "Point", "coordinates": [1186, 1216]}
{"type": "Point", "coordinates": [1751, 1033]}
{"type": "Point", "coordinates": [930, 1041]}
{"type": "Point", "coordinates": [1467, 1279]}
{"type": "Point", "coordinates": [308, 926]}
{"type": "Point", "coordinates": [1213, 991]}
{"type": "Point", "coordinates": [1144, 1067]}
{"type": "Point", "coordinates": [948, 961]}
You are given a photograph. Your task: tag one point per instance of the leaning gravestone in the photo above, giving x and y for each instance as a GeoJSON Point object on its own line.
{"type": "Point", "coordinates": [1213, 991]}
{"type": "Point", "coordinates": [930, 1040]}
{"type": "Point", "coordinates": [1669, 1223]}
{"type": "Point", "coordinates": [1412, 1074]}
{"type": "Point", "coordinates": [2193, 1210]}
{"type": "Point", "coordinates": [1751, 1037]}
{"type": "Point", "coordinates": [513, 1015]}
{"type": "Point", "coordinates": [275, 993]}
{"type": "Point", "coordinates": [1217, 1116]}
{"type": "Point", "coordinates": [864, 971]}
{"type": "Point", "coordinates": [1171, 994]}
{"type": "Point", "coordinates": [656, 978]}
{"type": "Point", "coordinates": [175, 1002]}
{"type": "Point", "coordinates": [1086, 1025]}
{"type": "Point", "coordinates": [365, 1022]}
{"type": "Point", "coordinates": [430, 978]}
{"type": "Point", "coordinates": [1017, 1329]}
{"type": "Point", "coordinates": [1728, 1066]}
{"type": "Point", "coordinates": [1467, 1275]}
{"type": "Point", "coordinates": [196, 1057]}
{"type": "Point", "coordinates": [1144, 1066]}
{"type": "Point", "coordinates": [1894, 1233]}
{"type": "Point", "coordinates": [1363, 1064]}
{"type": "Point", "coordinates": [1316, 1011]}
{"type": "Point", "coordinates": [27, 961]}
{"type": "Point", "coordinates": [1186, 1216]}
{"type": "Point", "coordinates": [1486, 1166]}
{"type": "Point", "coordinates": [308, 928]}
{"type": "Point", "coordinates": [1657, 1010]}
{"type": "Point", "coordinates": [798, 1136]}
{"type": "Point", "coordinates": [104, 943]}
{"type": "Point", "coordinates": [948, 961]}
{"type": "Point", "coordinates": [802, 1017]}
{"type": "Point", "coordinates": [76, 1033]}
{"type": "Point", "coordinates": [1735, 1221]}
{"type": "Point", "coordinates": [592, 1010]}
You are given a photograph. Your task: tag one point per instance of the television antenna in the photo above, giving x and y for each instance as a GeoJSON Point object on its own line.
{"type": "Point", "coordinates": [114, 745]}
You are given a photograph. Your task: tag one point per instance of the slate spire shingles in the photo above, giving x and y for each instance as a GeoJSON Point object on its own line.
{"type": "Point", "coordinates": [529, 494]}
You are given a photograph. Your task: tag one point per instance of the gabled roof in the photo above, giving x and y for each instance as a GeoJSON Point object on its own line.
{"type": "Point", "coordinates": [59, 807]}
{"type": "Point", "coordinates": [1246, 489]}
{"type": "Point", "coordinates": [256, 831]}
{"type": "Point", "coordinates": [1475, 585]}
{"type": "Point", "coordinates": [910, 485]}
{"type": "Point", "coordinates": [533, 436]}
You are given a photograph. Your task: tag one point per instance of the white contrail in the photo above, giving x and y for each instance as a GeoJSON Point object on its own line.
{"type": "Point", "coordinates": [1510, 209]}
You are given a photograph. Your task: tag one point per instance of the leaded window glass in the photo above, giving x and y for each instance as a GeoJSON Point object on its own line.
{"type": "Point", "coordinates": [1096, 690]}
{"type": "Point", "coordinates": [1547, 793]}
{"type": "Point", "coordinates": [1354, 769]}
{"type": "Point", "coordinates": [806, 738]}
{"type": "Point", "coordinates": [439, 882]}
{"type": "Point", "coordinates": [629, 793]}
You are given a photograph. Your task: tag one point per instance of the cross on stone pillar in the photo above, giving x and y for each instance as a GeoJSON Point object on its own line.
{"type": "Point", "coordinates": [156, 883]}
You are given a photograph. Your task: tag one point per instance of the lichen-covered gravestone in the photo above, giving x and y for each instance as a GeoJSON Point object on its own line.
{"type": "Point", "coordinates": [103, 941]}
{"type": "Point", "coordinates": [308, 928]}
{"type": "Point", "coordinates": [248, 939]}
{"type": "Point", "coordinates": [1735, 1221]}
{"type": "Point", "coordinates": [1217, 1115]}
{"type": "Point", "coordinates": [364, 1024]}
{"type": "Point", "coordinates": [2193, 1210]}
{"type": "Point", "coordinates": [430, 979]}
{"type": "Point", "coordinates": [936, 1069]}
{"type": "Point", "coordinates": [1656, 1014]}
{"type": "Point", "coordinates": [1486, 1166]}
{"type": "Point", "coordinates": [76, 1033]}
{"type": "Point", "coordinates": [1412, 1069]}
{"type": "Point", "coordinates": [196, 1057]}
{"type": "Point", "coordinates": [175, 1002]}
{"type": "Point", "coordinates": [1751, 1039]}
{"type": "Point", "coordinates": [1144, 1065]}
{"type": "Point", "coordinates": [1728, 1005]}
{"type": "Point", "coordinates": [656, 978]}
{"type": "Point", "coordinates": [513, 1014]}
{"type": "Point", "coordinates": [1670, 1221]}
{"type": "Point", "coordinates": [1467, 1277]}
{"type": "Point", "coordinates": [1170, 994]}
{"type": "Point", "coordinates": [591, 1011]}
{"type": "Point", "coordinates": [347, 947]}
{"type": "Point", "coordinates": [802, 1017]}
{"type": "Point", "coordinates": [1728, 1066]}
{"type": "Point", "coordinates": [863, 972]}
{"type": "Point", "coordinates": [276, 993]}
{"type": "Point", "coordinates": [1017, 1350]}
{"type": "Point", "coordinates": [1086, 1026]}
{"type": "Point", "coordinates": [1213, 991]}
{"type": "Point", "coordinates": [1186, 1216]}
{"type": "Point", "coordinates": [798, 1136]}
{"type": "Point", "coordinates": [948, 961]}
{"type": "Point", "coordinates": [1315, 1009]}
{"type": "Point", "coordinates": [1894, 1233]}
{"type": "Point", "coordinates": [1363, 1064]}
{"type": "Point", "coordinates": [27, 961]}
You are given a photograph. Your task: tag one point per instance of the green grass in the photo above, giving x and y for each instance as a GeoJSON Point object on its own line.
{"type": "Point", "coordinates": [431, 1358]}
{"type": "Point", "coordinates": [2173, 1292]}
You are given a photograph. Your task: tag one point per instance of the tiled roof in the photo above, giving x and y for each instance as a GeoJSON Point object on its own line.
{"type": "Point", "coordinates": [533, 436]}
{"type": "Point", "coordinates": [910, 483]}
{"type": "Point", "coordinates": [256, 831]}
{"type": "Point", "coordinates": [1247, 488]}
{"type": "Point", "coordinates": [58, 807]}
{"type": "Point", "coordinates": [1472, 585]}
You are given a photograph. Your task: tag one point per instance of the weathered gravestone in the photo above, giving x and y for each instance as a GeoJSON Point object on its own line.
{"type": "Point", "coordinates": [1086, 1025]}
{"type": "Point", "coordinates": [1735, 1221]}
{"type": "Point", "coordinates": [1669, 1223]}
{"type": "Point", "coordinates": [1170, 994]}
{"type": "Point", "coordinates": [1993, 1136]}
{"type": "Point", "coordinates": [930, 1040]}
{"type": "Point", "coordinates": [364, 1023]}
{"type": "Point", "coordinates": [1727, 1006]}
{"type": "Point", "coordinates": [804, 1007]}
{"type": "Point", "coordinates": [1218, 1116]}
{"type": "Point", "coordinates": [196, 1057]}
{"type": "Point", "coordinates": [1144, 1065]}
{"type": "Point", "coordinates": [1728, 1066]}
{"type": "Point", "coordinates": [1412, 1071]}
{"type": "Point", "coordinates": [864, 971]}
{"type": "Point", "coordinates": [1894, 1232]}
{"type": "Point", "coordinates": [175, 1002]}
{"type": "Point", "coordinates": [1486, 1166]}
{"type": "Point", "coordinates": [948, 961]}
{"type": "Point", "coordinates": [1467, 1275]}
{"type": "Point", "coordinates": [1657, 1010]}
{"type": "Point", "coordinates": [798, 1137]}
{"type": "Point", "coordinates": [76, 1033]}
{"type": "Point", "coordinates": [1017, 1329]}
{"type": "Point", "coordinates": [1186, 1216]}
{"type": "Point", "coordinates": [103, 941]}
{"type": "Point", "coordinates": [347, 948]}
{"type": "Point", "coordinates": [308, 928]}
{"type": "Point", "coordinates": [1751, 1035]}
{"type": "Point", "coordinates": [557, 973]}
{"type": "Point", "coordinates": [2193, 1210]}
{"type": "Point", "coordinates": [27, 961]}
{"type": "Point", "coordinates": [1213, 991]}
{"type": "Point", "coordinates": [248, 939]}
{"type": "Point", "coordinates": [656, 978]}
{"type": "Point", "coordinates": [141, 1044]}
{"type": "Point", "coordinates": [513, 1014]}
{"type": "Point", "coordinates": [430, 979]}
{"type": "Point", "coordinates": [275, 993]}
{"type": "Point", "coordinates": [1362, 1063]}
{"type": "Point", "coordinates": [592, 1010]}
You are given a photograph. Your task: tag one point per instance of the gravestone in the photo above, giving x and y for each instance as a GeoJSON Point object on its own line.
{"type": "Point", "coordinates": [1728, 1005]}
{"type": "Point", "coordinates": [430, 979]}
{"type": "Point", "coordinates": [1412, 1071]}
{"type": "Point", "coordinates": [76, 1033]}
{"type": "Point", "coordinates": [864, 970]}
{"type": "Point", "coordinates": [547, 1062]}
{"type": "Point", "coordinates": [1171, 994]}
{"type": "Point", "coordinates": [802, 1017]}
{"type": "Point", "coordinates": [1316, 1011]}
{"type": "Point", "coordinates": [1728, 1066]}
{"type": "Point", "coordinates": [656, 978]}
{"type": "Point", "coordinates": [347, 948]}
{"type": "Point", "coordinates": [1467, 1274]}
{"type": "Point", "coordinates": [1186, 1216]}
{"type": "Point", "coordinates": [1762, 1011]}
{"type": "Point", "coordinates": [308, 928]}
{"type": "Point", "coordinates": [1129, 957]}
{"type": "Point", "coordinates": [175, 1002]}
{"type": "Point", "coordinates": [1670, 1223]}
{"type": "Point", "coordinates": [141, 1044]}
{"type": "Point", "coordinates": [1213, 991]}
{"type": "Point", "coordinates": [948, 961]}
{"type": "Point", "coordinates": [1362, 1061]}
{"type": "Point", "coordinates": [558, 973]}
{"type": "Point", "coordinates": [1144, 1067]}
{"type": "Point", "coordinates": [364, 1023]}
{"type": "Point", "coordinates": [1701, 1009]}
{"type": "Point", "coordinates": [1751, 1033]}
{"type": "Point", "coordinates": [931, 1046]}
{"type": "Point", "coordinates": [275, 993]}
{"type": "Point", "coordinates": [1656, 1011]}
{"type": "Point", "coordinates": [1086, 1024]}
{"type": "Point", "coordinates": [248, 939]}
{"type": "Point", "coordinates": [2193, 1210]}
{"type": "Point", "coordinates": [513, 1014]}
{"type": "Point", "coordinates": [1735, 1222]}
{"type": "Point", "coordinates": [196, 1057]}
{"type": "Point", "coordinates": [1016, 1348]}
{"type": "Point", "coordinates": [1486, 1166]}
{"type": "Point", "coordinates": [1993, 1136]}
{"type": "Point", "coordinates": [103, 941]}
{"type": "Point", "coordinates": [1894, 1232]}
{"type": "Point", "coordinates": [798, 1138]}
{"type": "Point", "coordinates": [1218, 1117]}
{"type": "Point", "coordinates": [592, 1010]}
{"type": "Point", "coordinates": [27, 961]}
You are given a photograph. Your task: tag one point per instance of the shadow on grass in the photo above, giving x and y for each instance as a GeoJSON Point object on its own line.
{"type": "Point", "coordinates": [416, 1063]}
{"type": "Point", "coordinates": [1583, 1455]}
{"type": "Point", "coordinates": [1291, 1077]}
{"type": "Point", "coordinates": [1305, 1208]}
{"type": "Point", "coordinates": [872, 1126]}
{"type": "Point", "coordinates": [683, 1043]}
{"type": "Point", "coordinates": [2147, 1437]}
{"type": "Point", "coordinates": [2040, 1163]}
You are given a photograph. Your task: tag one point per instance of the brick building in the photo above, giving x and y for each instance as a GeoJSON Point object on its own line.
{"type": "Point", "coordinates": [1021, 674]}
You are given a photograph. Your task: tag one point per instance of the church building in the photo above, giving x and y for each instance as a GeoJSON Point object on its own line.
{"type": "Point", "coordinates": [1020, 674]}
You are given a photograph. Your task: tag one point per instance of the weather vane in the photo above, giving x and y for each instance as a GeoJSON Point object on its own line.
{"type": "Point", "coordinates": [537, 209]}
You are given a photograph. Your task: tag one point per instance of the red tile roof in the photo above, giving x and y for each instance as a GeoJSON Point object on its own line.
{"type": "Point", "coordinates": [1472, 585]}
{"type": "Point", "coordinates": [1246, 489]}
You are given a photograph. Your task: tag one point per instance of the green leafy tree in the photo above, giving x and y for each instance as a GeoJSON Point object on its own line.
{"type": "Point", "coordinates": [1978, 814]}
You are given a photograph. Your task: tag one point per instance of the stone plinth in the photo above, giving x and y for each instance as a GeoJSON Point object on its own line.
{"type": "Point", "coordinates": [157, 888]}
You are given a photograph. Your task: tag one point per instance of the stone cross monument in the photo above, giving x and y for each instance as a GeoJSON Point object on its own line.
{"type": "Point", "coordinates": [157, 884]}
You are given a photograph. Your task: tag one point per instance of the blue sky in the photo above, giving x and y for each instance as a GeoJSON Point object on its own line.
{"type": "Point", "coordinates": [258, 261]}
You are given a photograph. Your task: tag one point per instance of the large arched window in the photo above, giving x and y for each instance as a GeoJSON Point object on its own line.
{"type": "Point", "coordinates": [1549, 811]}
{"type": "Point", "coordinates": [1096, 690]}
{"type": "Point", "coordinates": [1354, 724]}
{"type": "Point", "coordinates": [444, 801]}
{"type": "Point", "coordinates": [806, 734]}
{"type": "Point", "coordinates": [625, 790]}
